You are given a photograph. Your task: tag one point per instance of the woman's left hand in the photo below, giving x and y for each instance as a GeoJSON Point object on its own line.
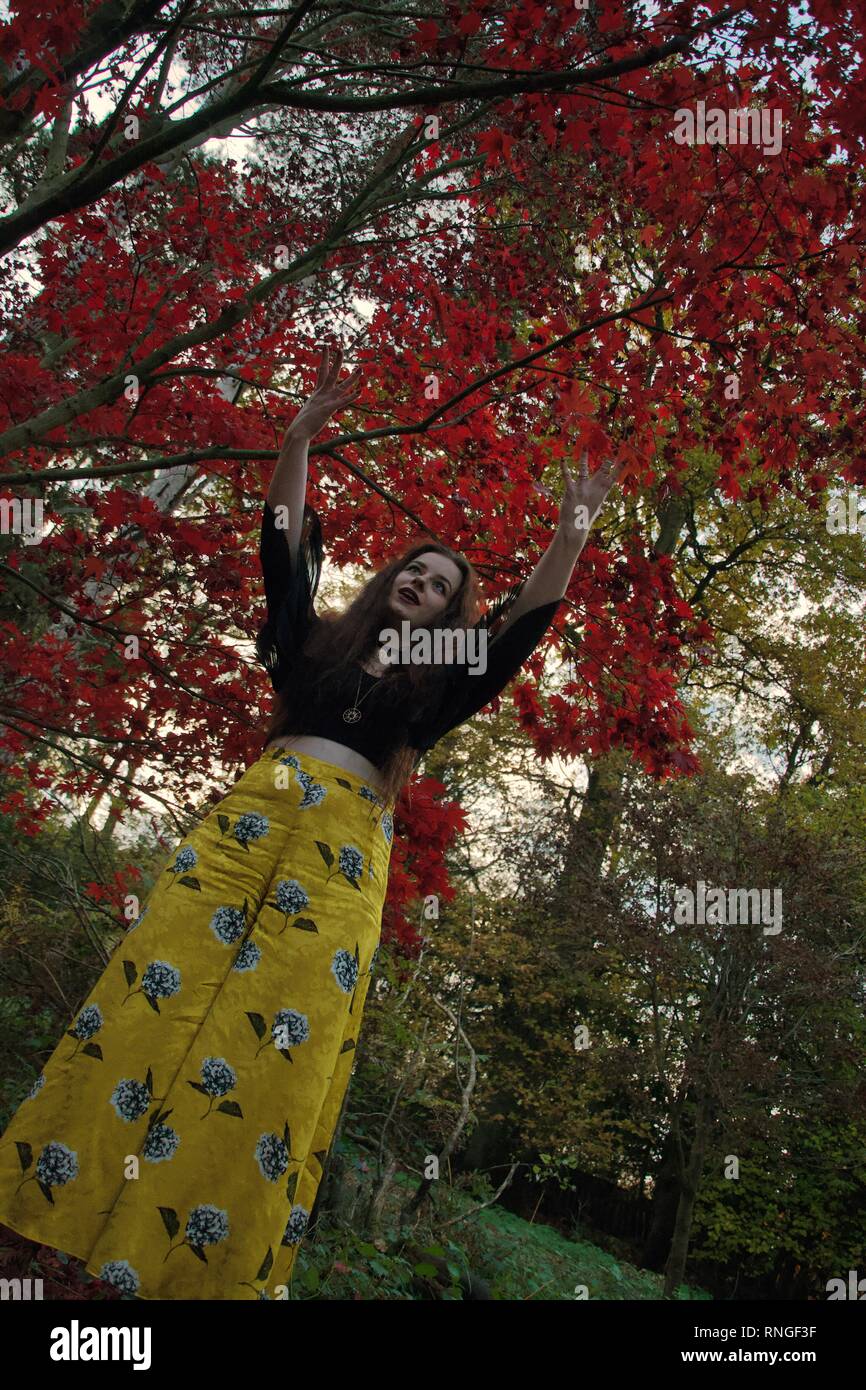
{"type": "Point", "coordinates": [584, 496]}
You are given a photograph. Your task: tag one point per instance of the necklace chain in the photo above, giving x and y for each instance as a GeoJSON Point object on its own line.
{"type": "Point", "coordinates": [353, 713]}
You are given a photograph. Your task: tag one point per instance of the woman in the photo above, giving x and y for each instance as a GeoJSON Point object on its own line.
{"type": "Point", "coordinates": [175, 1139]}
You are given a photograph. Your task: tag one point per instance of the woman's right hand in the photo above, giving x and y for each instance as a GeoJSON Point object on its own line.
{"type": "Point", "coordinates": [329, 396]}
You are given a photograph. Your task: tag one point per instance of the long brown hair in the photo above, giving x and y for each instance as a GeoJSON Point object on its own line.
{"type": "Point", "coordinates": [340, 640]}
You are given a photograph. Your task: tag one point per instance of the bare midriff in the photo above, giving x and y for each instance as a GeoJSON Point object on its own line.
{"type": "Point", "coordinates": [331, 752]}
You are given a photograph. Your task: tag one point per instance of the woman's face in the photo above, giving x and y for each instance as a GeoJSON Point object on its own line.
{"type": "Point", "coordinates": [424, 588]}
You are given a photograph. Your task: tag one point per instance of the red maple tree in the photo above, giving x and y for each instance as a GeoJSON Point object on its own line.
{"type": "Point", "coordinates": [489, 209]}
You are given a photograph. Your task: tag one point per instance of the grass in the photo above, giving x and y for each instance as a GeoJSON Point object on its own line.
{"type": "Point", "coordinates": [518, 1260]}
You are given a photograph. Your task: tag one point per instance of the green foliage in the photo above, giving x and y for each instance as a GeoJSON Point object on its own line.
{"type": "Point", "coordinates": [517, 1259]}
{"type": "Point", "coordinates": [800, 1200]}
{"type": "Point", "coordinates": [345, 1266]}
{"type": "Point", "coordinates": [53, 938]}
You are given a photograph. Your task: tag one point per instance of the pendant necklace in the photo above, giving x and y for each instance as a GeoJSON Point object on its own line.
{"type": "Point", "coordinates": [353, 713]}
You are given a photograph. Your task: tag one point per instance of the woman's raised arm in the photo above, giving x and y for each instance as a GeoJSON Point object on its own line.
{"type": "Point", "coordinates": [289, 482]}
{"type": "Point", "coordinates": [581, 503]}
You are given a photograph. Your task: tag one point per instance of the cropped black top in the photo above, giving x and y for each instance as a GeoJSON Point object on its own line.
{"type": "Point", "coordinates": [384, 725]}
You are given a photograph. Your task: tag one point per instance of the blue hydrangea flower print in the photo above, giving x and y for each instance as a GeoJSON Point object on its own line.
{"type": "Point", "coordinates": [160, 979]}
{"type": "Point", "coordinates": [314, 792]}
{"type": "Point", "coordinates": [131, 1100]}
{"type": "Point", "coordinates": [185, 860]}
{"type": "Point", "coordinates": [290, 897]}
{"type": "Point", "coordinates": [344, 968]}
{"type": "Point", "coordinates": [351, 862]}
{"type": "Point", "coordinates": [272, 1157]}
{"type": "Point", "coordinates": [88, 1022]}
{"type": "Point", "coordinates": [295, 1226]}
{"type": "Point", "coordinates": [160, 1144]}
{"type": "Point", "coordinates": [290, 1028]}
{"type": "Point", "coordinates": [206, 1225]}
{"type": "Point", "coordinates": [248, 957]}
{"type": "Point", "coordinates": [84, 1029]}
{"type": "Point", "coordinates": [217, 1077]}
{"type": "Point", "coordinates": [36, 1087]}
{"type": "Point", "coordinates": [121, 1275]}
{"type": "Point", "coordinates": [57, 1165]}
{"type": "Point", "coordinates": [227, 924]}
{"type": "Point", "coordinates": [251, 826]}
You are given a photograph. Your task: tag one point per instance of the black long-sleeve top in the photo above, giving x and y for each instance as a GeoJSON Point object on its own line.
{"type": "Point", "coordinates": [290, 591]}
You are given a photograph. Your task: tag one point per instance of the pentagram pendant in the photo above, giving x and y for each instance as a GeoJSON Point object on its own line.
{"type": "Point", "coordinates": [351, 716]}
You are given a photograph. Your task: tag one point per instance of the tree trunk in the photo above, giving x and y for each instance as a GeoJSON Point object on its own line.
{"type": "Point", "coordinates": [665, 1200]}
{"type": "Point", "coordinates": [676, 1264]}
{"type": "Point", "coordinates": [376, 1208]}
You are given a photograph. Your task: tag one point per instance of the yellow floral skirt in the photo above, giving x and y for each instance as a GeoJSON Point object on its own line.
{"type": "Point", "coordinates": [175, 1139]}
